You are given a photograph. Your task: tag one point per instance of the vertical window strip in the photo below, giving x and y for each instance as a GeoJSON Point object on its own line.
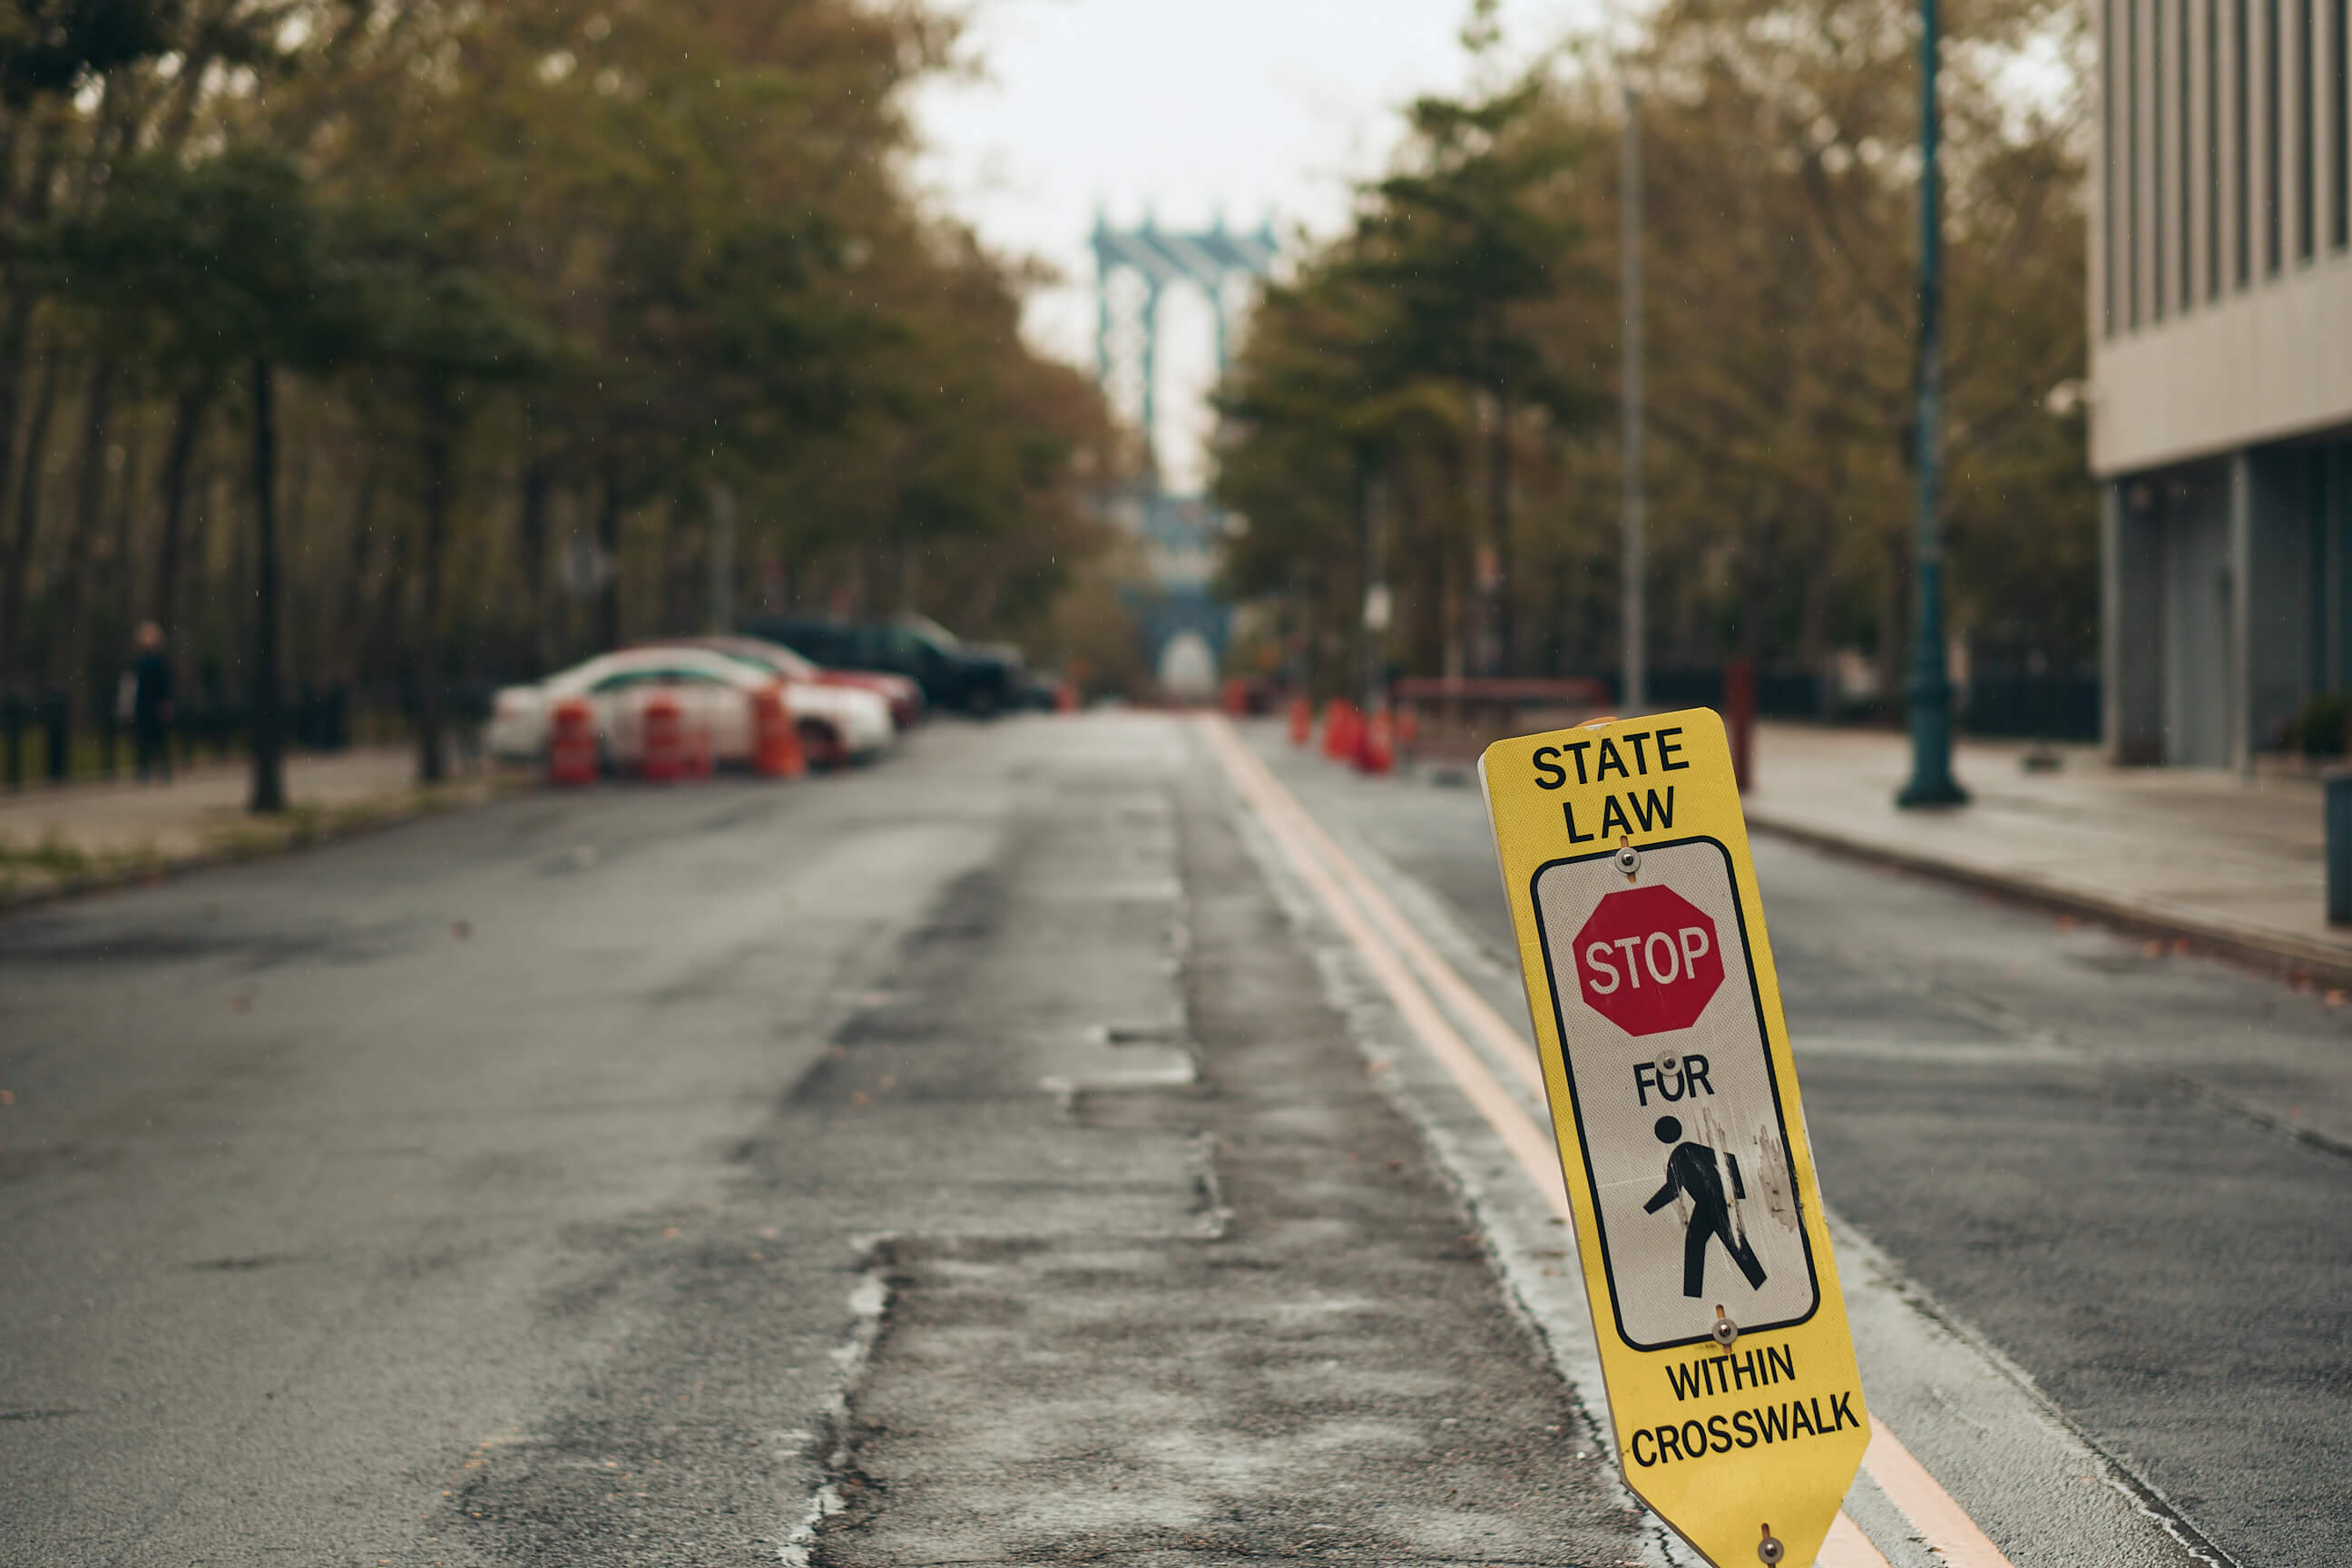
{"type": "Point", "coordinates": [2213, 148]}
{"type": "Point", "coordinates": [2156, 150]}
{"type": "Point", "coordinates": [2107, 167]}
{"type": "Point", "coordinates": [2273, 144]}
{"type": "Point", "coordinates": [2242, 158]}
{"type": "Point", "coordinates": [2307, 137]}
{"type": "Point", "coordinates": [2339, 131]}
{"type": "Point", "coordinates": [2131, 165]}
{"type": "Point", "coordinates": [2187, 101]}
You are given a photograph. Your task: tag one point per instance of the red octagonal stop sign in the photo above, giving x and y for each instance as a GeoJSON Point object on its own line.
{"type": "Point", "coordinates": [1648, 959]}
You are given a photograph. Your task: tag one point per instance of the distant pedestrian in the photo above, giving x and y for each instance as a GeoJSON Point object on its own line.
{"type": "Point", "coordinates": [149, 680]}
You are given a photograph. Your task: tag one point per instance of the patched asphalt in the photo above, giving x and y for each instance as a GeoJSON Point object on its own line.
{"type": "Point", "coordinates": [953, 1160]}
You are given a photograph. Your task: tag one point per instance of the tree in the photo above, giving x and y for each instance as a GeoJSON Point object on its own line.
{"type": "Point", "coordinates": [229, 264]}
{"type": "Point", "coordinates": [445, 333]}
{"type": "Point", "coordinates": [538, 271]}
{"type": "Point", "coordinates": [1779, 242]}
{"type": "Point", "coordinates": [1464, 239]}
{"type": "Point", "coordinates": [53, 46]}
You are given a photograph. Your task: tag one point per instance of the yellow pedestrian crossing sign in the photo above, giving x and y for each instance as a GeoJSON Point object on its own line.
{"type": "Point", "coordinates": [1733, 1391]}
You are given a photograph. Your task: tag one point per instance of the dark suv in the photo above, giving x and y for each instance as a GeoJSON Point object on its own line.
{"type": "Point", "coordinates": [952, 673]}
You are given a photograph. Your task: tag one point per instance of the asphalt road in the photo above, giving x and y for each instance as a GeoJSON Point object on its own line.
{"type": "Point", "coordinates": [970, 1159]}
{"type": "Point", "coordinates": [948, 1161]}
{"type": "Point", "coordinates": [2124, 1169]}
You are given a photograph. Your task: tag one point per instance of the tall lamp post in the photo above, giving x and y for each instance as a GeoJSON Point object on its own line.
{"type": "Point", "coordinates": [1635, 698]}
{"type": "Point", "coordinates": [1931, 687]}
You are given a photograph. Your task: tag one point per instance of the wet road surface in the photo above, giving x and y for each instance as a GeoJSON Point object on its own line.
{"type": "Point", "coordinates": [974, 1159]}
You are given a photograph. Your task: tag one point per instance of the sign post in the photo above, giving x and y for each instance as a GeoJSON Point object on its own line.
{"type": "Point", "coordinates": [1734, 1396]}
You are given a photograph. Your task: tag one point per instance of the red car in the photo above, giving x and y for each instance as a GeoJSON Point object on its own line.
{"type": "Point", "coordinates": [905, 698]}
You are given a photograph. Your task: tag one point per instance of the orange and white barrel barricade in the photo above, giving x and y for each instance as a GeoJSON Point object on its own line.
{"type": "Point", "coordinates": [572, 742]}
{"type": "Point", "coordinates": [775, 739]}
{"type": "Point", "coordinates": [1343, 730]}
{"type": "Point", "coordinates": [1376, 748]}
{"type": "Point", "coordinates": [1302, 720]}
{"type": "Point", "coordinates": [662, 737]}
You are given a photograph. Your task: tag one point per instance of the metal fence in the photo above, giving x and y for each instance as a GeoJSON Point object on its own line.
{"type": "Point", "coordinates": [39, 743]}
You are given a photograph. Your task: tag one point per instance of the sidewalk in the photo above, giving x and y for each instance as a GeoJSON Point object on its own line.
{"type": "Point", "coordinates": [83, 836]}
{"type": "Point", "coordinates": [2234, 863]}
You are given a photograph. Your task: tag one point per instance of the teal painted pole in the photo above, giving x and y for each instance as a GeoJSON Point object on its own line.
{"type": "Point", "coordinates": [1931, 687]}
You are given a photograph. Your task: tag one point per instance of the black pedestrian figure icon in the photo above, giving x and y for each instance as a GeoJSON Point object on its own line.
{"type": "Point", "coordinates": [1691, 1172]}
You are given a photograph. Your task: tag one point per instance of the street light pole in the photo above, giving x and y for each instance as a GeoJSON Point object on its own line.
{"type": "Point", "coordinates": [1931, 687]}
{"type": "Point", "coordinates": [1635, 697]}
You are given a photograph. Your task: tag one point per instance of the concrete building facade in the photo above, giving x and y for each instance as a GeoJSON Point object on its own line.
{"type": "Point", "coordinates": [2221, 396]}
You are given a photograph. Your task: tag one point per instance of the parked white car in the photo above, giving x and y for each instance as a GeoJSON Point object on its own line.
{"type": "Point", "coordinates": [836, 724]}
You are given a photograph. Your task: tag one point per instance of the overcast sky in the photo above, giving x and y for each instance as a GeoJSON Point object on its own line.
{"type": "Point", "coordinates": [1248, 107]}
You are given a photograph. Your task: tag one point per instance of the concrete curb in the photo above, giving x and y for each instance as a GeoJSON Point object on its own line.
{"type": "Point", "coordinates": [254, 840]}
{"type": "Point", "coordinates": [2278, 954]}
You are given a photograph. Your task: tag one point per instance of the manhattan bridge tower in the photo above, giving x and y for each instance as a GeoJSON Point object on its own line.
{"type": "Point", "coordinates": [1184, 623]}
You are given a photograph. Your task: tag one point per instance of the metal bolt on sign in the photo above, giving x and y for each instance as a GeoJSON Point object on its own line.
{"type": "Point", "coordinates": [1629, 859]}
{"type": "Point", "coordinates": [1725, 1329]}
{"type": "Point", "coordinates": [1770, 1551]}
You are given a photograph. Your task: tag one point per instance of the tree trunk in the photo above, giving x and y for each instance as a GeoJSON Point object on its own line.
{"type": "Point", "coordinates": [1758, 593]}
{"type": "Point", "coordinates": [73, 597]}
{"type": "Point", "coordinates": [28, 517]}
{"type": "Point", "coordinates": [16, 349]}
{"type": "Point", "coordinates": [126, 528]}
{"type": "Point", "coordinates": [1498, 526]}
{"type": "Point", "coordinates": [531, 539]}
{"type": "Point", "coordinates": [188, 424]}
{"type": "Point", "coordinates": [350, 658]}
{"type": "Point", "coordinates": [432, 749]}
{"type": "Point", "coordinates": [608, 540]}
{"type": "Point", "coordinates": [268, 741]}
